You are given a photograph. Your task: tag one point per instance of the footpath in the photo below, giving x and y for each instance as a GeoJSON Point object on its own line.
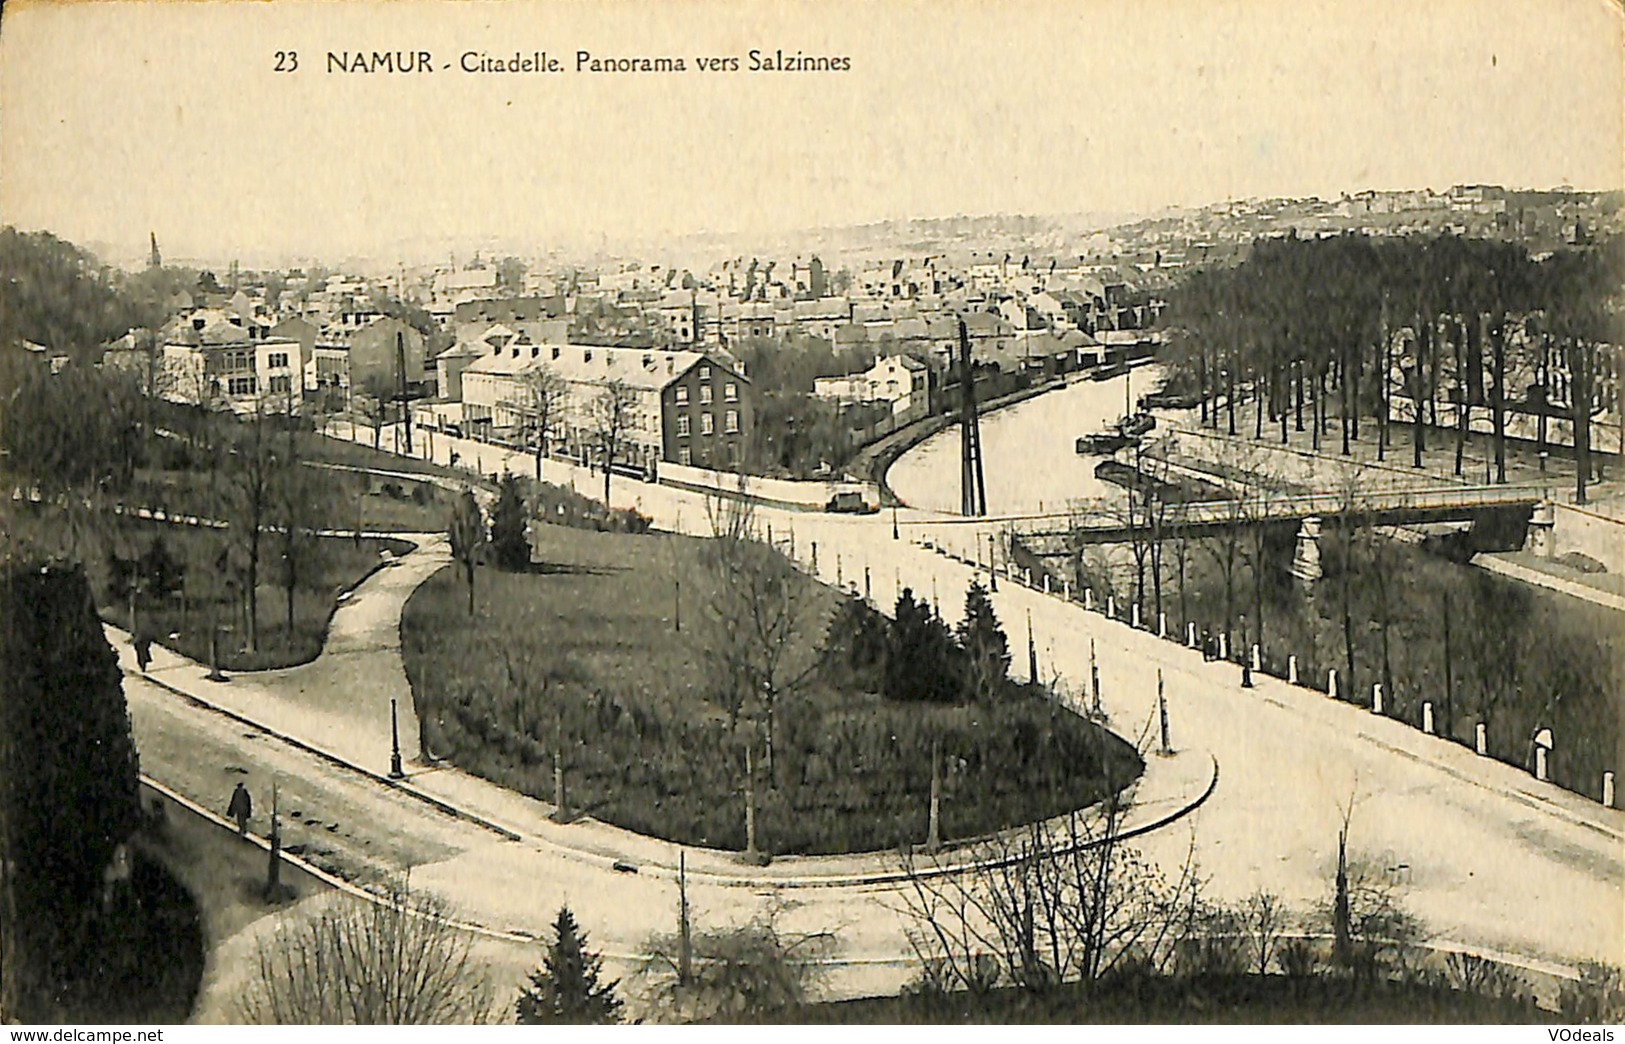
{"type": "Point", "coordinates": [339, 707]}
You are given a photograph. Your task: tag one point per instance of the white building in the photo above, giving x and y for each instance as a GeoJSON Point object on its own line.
{"type": "Point", "coordinates": [898, 380]}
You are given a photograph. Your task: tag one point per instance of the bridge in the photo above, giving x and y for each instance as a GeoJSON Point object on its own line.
{"type": "Point", "coordinates": [1104, 522]}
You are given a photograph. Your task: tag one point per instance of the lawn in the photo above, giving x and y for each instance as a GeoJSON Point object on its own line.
{"type": "Point", "coordinates": [599, 651]}
{"type": "Point", "coordinates": [181, 619]}
{"type": "Point", "coordinates": [340, 500]}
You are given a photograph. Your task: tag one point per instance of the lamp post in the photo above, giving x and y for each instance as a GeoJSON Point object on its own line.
{"type": "Point", "coordinates": [894, 534]}
{"type": "Point", "coordinates": [395, 771]}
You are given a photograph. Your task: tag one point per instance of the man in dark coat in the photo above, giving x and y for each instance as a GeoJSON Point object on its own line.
{"type": "Point", "coordinates": [143, 652]}
{"type": "Point", "coordinates": [241, 807]}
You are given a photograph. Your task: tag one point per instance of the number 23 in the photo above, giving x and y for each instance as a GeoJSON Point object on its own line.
{"type": "Point", "coordinates": [286, 61]}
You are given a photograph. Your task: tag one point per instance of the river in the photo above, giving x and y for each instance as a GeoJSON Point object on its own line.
{"type": "Point", "coordinates": [1523, 657]}
{"type": "Point", "coordinates": [1028, 454]}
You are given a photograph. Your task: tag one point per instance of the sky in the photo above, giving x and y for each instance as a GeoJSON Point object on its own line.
{"type": "Point", "coordinates": [128, 117]}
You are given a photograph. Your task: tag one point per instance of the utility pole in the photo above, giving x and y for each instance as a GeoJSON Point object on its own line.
{"type": "Point", "coordinates": [400, 383]}
{"type": "Point", "coordinates": [973, 488]}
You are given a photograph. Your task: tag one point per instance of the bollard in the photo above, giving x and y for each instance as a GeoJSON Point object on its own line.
{"type": "Point", "coordinates": [1088, 598]}
{"type": "Point", "coordinates": [1026, 577]}
{"type": "Point", "coordinates": [1111, 606]}
{"type": "Point", "coordinates": [1427, 717]}
{"type": "Point", "coordinates": [1190, 635]}
{"type": "Point", "coordinates": [1134, 615]}
{"type": "Point", "coordinates": [1292, 669]}
{"type": "Point", "coordinates": [1540, 763]}
{"type": "Point", "coordinates": [1066, 589]}
{"type": "Point", "coordinates": [1162, 625]}
{"type": "Point", "coordinates": [1376, 698]}
{"type": "Point", "coordinates": [1480, 741]}
{"type": "Point", "coordinates": [1543, 748]}
{"type": "Point", "coordinates": [1224, 646]}
{"type": "Point", "coordinates": [1258, 662]}
{"type": "Point", "coordinates": [1331, 683]}
{"type": "Point", "coordinates": [1607, 790]}
{"type": "Point", "coordinates": [1046, 583]}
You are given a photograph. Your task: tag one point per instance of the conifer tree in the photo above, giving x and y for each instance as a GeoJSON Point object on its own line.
{"type": "Point", "coordinates": [987, 650]}
{"type": "Point", "coordinates": [566, 988]}
{"type": "Point", "coordinates": [508, 540]}
{"type": "Point", "coordinates": [68, 772]}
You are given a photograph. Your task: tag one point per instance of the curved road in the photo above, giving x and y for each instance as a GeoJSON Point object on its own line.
{"type": "Point", "coordinates": [1487, 857]}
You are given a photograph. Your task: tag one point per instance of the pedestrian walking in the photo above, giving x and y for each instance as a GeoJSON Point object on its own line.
{"type": "Point", "coordinates": [241, 807]}
{"type": "Point", "coordinates": [143, 652]}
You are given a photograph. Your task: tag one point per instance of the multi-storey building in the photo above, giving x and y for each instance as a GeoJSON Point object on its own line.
{"type": "Point", "coordinates": [683, 407]}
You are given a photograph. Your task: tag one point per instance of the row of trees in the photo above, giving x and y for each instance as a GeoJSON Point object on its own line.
{"type": "Point", "coordinates": [915, 656]}
{"type": "Point", "coordinates": [1340, 326]}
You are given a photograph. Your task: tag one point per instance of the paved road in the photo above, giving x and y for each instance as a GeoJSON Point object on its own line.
{"type": "Point", "coordinates": [1486, 856]}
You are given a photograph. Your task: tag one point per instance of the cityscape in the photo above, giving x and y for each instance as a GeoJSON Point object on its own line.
{"type": "Point", "coordinates": [1080, 608]}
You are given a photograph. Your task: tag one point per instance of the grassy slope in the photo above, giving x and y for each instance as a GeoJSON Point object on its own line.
{"type": "Point", "coordinates": [647, 744]}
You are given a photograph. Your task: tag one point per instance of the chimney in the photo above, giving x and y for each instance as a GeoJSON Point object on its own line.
{"type": "Point", "coordinates": [648, 361]}
{"type": "Point", "coordinates": [586, 355]}
{"type": "Point", "coordinates": [535, 351]}
{"type": "Point", "coordinates": [671, 365]}
{"type": "Point", "coordinates": [555, 351]}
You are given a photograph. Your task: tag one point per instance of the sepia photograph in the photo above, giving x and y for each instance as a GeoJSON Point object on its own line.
{"type": "Point", "coordinates": [869, 513]}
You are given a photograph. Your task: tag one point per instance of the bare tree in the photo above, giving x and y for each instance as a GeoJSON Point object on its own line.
{"type": "Point", "coordinates": [542, 393]}
{"type": "Point", "coordinates": [394, 960]}
{"type": "Point", "coordinates": [296, 496]}
{"type": "Point", "coordinates": [252, 478]}
{"type": "Point", "coordinates": [612, 416]}
{"type": "Point", "coordinates": [759, 603]}
{"type": "Point", "coordinates": [1051, 902]}
{"type": "Point", "coordinates": [1264, 917]}
{"type": "Point", "coordinates": [736, 974]}
{"type": "Point", "coordinates": [468, 536]}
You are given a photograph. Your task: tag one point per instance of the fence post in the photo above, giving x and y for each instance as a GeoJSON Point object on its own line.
{"type": "Point", "coordinates": [1258, 661]}
{"type": "Point", "coordinates": [1066, 589]}
{"type": "Point", "coordinates": [1292, 669]}
{"type": "Point", "coordinates": [1224, 646]}
{"type": "Point", "coordinates": [1480, 740]}
{"type": "Point", "coordinates": [1190, 635]}
{"type": "Point", "coordinates": [1111, 606]}
{"type": "Point", "coordinates": [1088, 598]}
{"type": "Point", "coordinates": [1376, 698]}
{"type": "Point", "coordinates": [1134, 616]}
{"type": "Point", "coordinates": [1543, 749]}
{"type": "Point", "coordinates": [1046, 583]}
{"type": "Point", "coordinates": [1427, 717]}
{"type": "Point", "coordinates": [1331, 683]}
{"type": "Point", "coordinates": [1607, 790]}
{"type": "Point", "coordinates": [1162, 625]}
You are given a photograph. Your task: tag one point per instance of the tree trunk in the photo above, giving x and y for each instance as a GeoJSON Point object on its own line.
{"type": "Point", "coordinates": [1230, 394]}
{"type": "Point", "coordinates": [1297, 395]}
{"type": "Point", "coordinates": [1463, 400]}
{"type": "Point", "coordinates": [1580, 400]}
{"type": "Point", "coordinates": [1498, 395]}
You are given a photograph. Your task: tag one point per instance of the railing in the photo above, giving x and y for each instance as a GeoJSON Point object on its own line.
{"type": "Point", "coordinates": [1113, 514]}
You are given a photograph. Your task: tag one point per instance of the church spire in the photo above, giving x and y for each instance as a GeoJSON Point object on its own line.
{"type": "Point", "coordinates": [155, 261]}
